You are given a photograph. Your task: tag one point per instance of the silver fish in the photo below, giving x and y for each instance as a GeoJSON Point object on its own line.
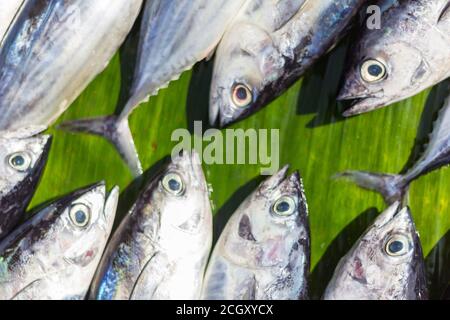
{"type": "Point", "coordinates": [268, 48]}
{"type": "Point", "coordinates": [175, 34]}
{"type": "Point", "coordinates": [51, 54]}
{"type": "Point", "coordinates": [161, 248]}
{"type": "Point", "coordinates": [23, 157]}
{"type": "Point", "coordinates": [436, 155]}
{"type": "Point", "coordinates": [8, 11]}
{"type": "Point", "coordinates": [264, 251]}
{"type": "Point", "coordinates": [54, 255]}
{"type": "Point", "coordinates": [411, 52]}
{"type": "Point", "coordinates": [386, 263]}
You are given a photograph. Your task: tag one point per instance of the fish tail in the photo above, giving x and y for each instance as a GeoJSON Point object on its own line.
{"type": "Point", "coordinates": [391, 187]}
{"type": "Point", "coordinates": [116, 130]}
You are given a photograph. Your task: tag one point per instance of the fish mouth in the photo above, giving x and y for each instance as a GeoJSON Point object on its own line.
{"type": "Point", "coordinates": [189, 163]}
{"type": "Point", "coordinates": [222, 119]}
{"type": "Point", "coordinates": [280, 184]}
{"type": "Point", "coordinates": [214, 114]}
{"type": "Point", "coordinates": [398, 215]}
{"type": "Point", "coordinates": [404, 218]}
{"type": "Point", "coordinates": [359, 105]}
{"type": "Point", "coordinates": [275, 180]}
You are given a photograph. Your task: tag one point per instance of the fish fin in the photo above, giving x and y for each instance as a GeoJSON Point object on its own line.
{"type": "Point", "coordinates": [114, 129]}
{"type": "Point", "coordinates": [150, 278]}
{"type": "Point", "coordinates": [167, 49]}
{"type": "Point", "coordinates": [440, 125]}
{"type": "Point", "coordinates": [391, 187]}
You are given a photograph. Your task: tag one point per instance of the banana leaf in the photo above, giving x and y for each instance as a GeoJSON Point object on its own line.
{"type": "Point", "coordinates": [314, 139]}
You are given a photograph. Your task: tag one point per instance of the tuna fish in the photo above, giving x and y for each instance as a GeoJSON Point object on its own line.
{"type": "Point", "coordinates": [409, 53]}
{"type": "Point", "coordinates": [54, 255]}
{"type": "Point", "coordinates": [23, 156]}
{"type": "Point", "coordinates": [175, 34]}
{"type": "Point", "coordinates": [161, 248]}
{"type": "Point", "coordinates": [264, 251]}
{"type": "Point", "coordinates": [386, 263]}
{"type": "Point", "coordinates": [268, 48]}
{"type": "Point", "coordinates": [52, 52]}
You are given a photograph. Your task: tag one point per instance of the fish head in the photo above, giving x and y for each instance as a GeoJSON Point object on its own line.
{"type": "Point", "coordinates": [84, 224]}
{"type": "Point", "coordinates": [383, 69]}
{"type": "Point", "coordinates": [63, 242]}
{"type": "Point", "coordinates": [183, 202]}
{"type": "Point", "coordinates": [22, 157]}
{"type": "Point", "coordinates": [241, 71]}
{"type": "Point", "coordinates": [271, 227]}
{"type": "Point", "coordinates": [387, 262]}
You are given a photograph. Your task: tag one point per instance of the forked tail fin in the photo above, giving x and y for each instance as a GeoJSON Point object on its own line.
{"type": "Point", "coordinates": [391, 187]}
{"type": "Point", "coordinates": [114, 129]}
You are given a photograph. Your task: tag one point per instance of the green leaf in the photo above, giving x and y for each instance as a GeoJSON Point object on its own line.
{"type": "Point", "coordinates": [313, 139]}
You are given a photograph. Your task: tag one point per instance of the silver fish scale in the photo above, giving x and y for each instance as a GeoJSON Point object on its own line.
{"type": "Point", "coordinates": [51, 55]}
{"type": "Point", "coordinates": [161, 248]}
{"type": "Point", "coordinates": [260, 255]}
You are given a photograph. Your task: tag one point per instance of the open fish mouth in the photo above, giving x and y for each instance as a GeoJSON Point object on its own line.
{"type": "Point", "coordinates": [276, 180]}
{"type": "Point", "coordinates": [361, 105]}
{"type": "Point", "coordinates": [218, 119]}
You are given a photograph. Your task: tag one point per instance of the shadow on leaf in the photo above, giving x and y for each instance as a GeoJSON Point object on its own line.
{"type": "Point", "coordinates": [320, 88]}
{"type": "Point", "coordinates": [197, 104]}
{"type": "Point", "coordinates": [435, 102]}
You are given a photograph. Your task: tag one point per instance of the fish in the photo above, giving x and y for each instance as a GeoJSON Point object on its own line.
{"type": "Point", "coordinates": [386, 263]}
{"type": "Point", "coordinates": [264, 251]}
{"type": "Point", "coordinates": [174, 36]}
{"type": "Point", "coordinates": [410, 53]}
{"type": "Point", "coordinates": [54, 255]}
{"type": "Point", "coordinates": [268, 48]}
{"type": "Point", "coordinates": [394, 187]}
{"type": "Point", "coordinates": [23, 157]}
{"type": "Point", "coordinates": [8, 11]}
{"type": "Point", "coordinates": [160, 249]}
{"type": "Point", "coordinates": [51, 54]}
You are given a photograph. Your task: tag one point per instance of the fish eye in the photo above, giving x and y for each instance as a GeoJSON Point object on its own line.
{"type": "Point", "coordinates": [173, 183]}
{"type": "Point", "coordinates": [373, 70]}
{"type": "Point", "coordinates": [20, 161]}
{"type": "Point", "coordinates": [80, 215]}
{"type": "Point", "coordinates": [242, 95]}
{"type": "Point", "coordinates": [284, 206]}
{"type": "Point", "coordinates": [397, 245]}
